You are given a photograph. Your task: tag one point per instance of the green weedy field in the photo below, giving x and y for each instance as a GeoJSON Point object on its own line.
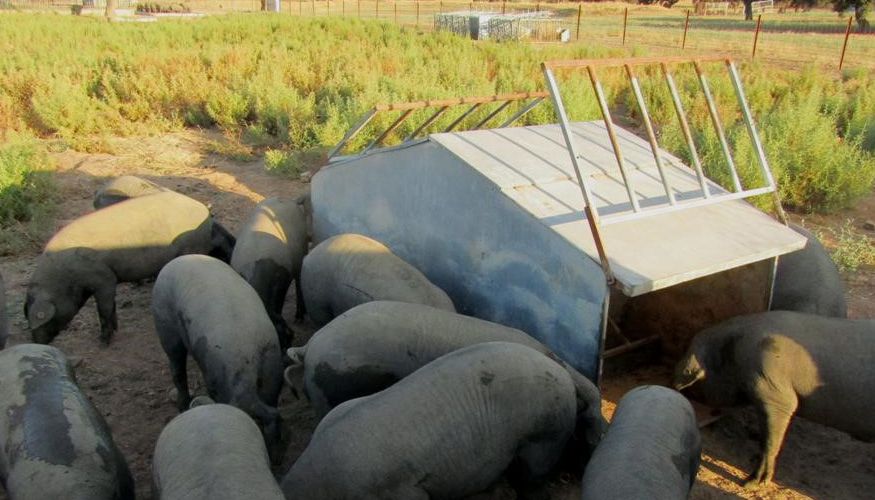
{"type": "Point", "coordinates": [295, 85]}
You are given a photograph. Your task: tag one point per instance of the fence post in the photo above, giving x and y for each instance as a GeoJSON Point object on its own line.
{"type": "Point", "coordinates": [756, 36]}
{"type": "Point", "coordinates": [328, 8]}
{"type": "Point", "coordinates": [358, 8]}
{"type": "Point", "coordinates": [686, 25]}
{"type": "Point", "coordinates": [301, 8]}
{"type": "Point", "coordinates": [395, 4]}
{"type": "Point", "coordinates": [441, 11]}
{"type": "Point", "coordinates": [313, 5]}
{"type": "Point", "coordinates": [845, 46]}
{"type": "Point", "coordinates": [579, 10]}
{"type": "Point", "coordinates": [625, 19]}
{"type": "Point", "coordinates": [417, 14]}
{"type": "Point", "coordinates": [538, 7]}
{"type": "Point", "coordinates": [377, 10]}
{"type": "Point", "coordinates": [342, 8]}
{"type": "Point", "coordinates": [503, 7]}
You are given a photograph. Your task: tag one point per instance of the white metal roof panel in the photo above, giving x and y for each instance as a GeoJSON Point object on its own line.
{"type": "Point", "coordinates": [532, 167]}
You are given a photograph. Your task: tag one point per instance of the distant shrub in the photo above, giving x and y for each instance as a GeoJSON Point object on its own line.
{"type": "Point", "coordinates": [299, 84]}
{"type": "Point", "coordinates": [155, 7]}
{"type": "Point", "coordinates": [24, 182]}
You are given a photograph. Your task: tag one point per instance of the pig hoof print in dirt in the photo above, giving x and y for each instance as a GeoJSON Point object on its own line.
{"type": "Point", "coordinates": [125, 242]}
{"type": "Point", "coordinates": [786, 363]}
{"type": "Point", "coordinates": [212, 452]}
{"type": "Point", "coordinates": [447, 431]}
{"type": "Point", "coordinates": [350, 269]}
{"type": "Point", "coordinates": [202, 307]}
{"type": "Point", "coordinates": [268, 254]}
{"type": "Point", "coordinates": [373, 345]}
{"type": "Point", "coordinates": [55, 445]}
{"type": "Point", "coordinates": [651, 450]}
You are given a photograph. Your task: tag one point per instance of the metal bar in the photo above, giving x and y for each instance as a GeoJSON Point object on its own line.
{"type": "Point", "coordinates": [686, 25]}
{"type": "Point", "coordinates": [845, 45]}
{"type": "Point", "coordinates": [462, 100]}
{"type": "Point", "coordinates": [590, 210]}
{"type": "Point", "coordinates": [389, 130]}
{"type": "Point", "coordinates": [651, 137]}
{"type": "Point", "coordinates": [756, 37]}
{"type": "Point", "coordinates": [631, 346]}
{"type": "Point", "coordinates": [685, 127]}
{"type": "Point", "coordinates": [352, 132]}
{"type": "Point", "coordinates": [715, 119]}
{"type": "Point", "coordinates": [609, 125]}
{"type": "Point", "coordinates": [755, 139]}
{"type": "Point", "coordinates": [426, 123]}
{"type": "Point", "coordinates": [633, 61]}
{"type": "Point", "coordinates": [625, 18]}
{"type": "Point", "coordinates": [607, 220]}
{"type": "Point", "coordinates": [464, 115]}
{"type": "Point", "coordinates": [491, 115]}
{"type": "Point", "coordinates": [528, 107]}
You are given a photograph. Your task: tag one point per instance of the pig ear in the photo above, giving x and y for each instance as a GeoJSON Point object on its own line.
{"type": "Point", "coordinates": [200, 401]}
{"type": "Point", "coordinates": [39, 313]}
{"type": "Point", "coordinates": [294, 376]}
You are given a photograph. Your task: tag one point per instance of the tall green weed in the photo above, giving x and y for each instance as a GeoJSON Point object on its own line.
{"type": "Point", "coordinates": [300, 83]}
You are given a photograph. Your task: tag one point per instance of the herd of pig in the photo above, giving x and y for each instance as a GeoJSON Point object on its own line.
{"type": "Point", "coordinates": [415, 401]}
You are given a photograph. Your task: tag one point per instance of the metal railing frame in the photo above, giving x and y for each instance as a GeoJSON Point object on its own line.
{"type": "Point", "coordinates": [407, 108]}
{"type": "Point", "coordinates": [594, 219]}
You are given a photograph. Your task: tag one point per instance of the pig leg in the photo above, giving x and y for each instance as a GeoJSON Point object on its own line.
{"type": "Point", "coordinates": [775, 410]}
{"type": "Point", "coordinates": [177, 355]}
{"type": "Point", "coordinates": [531, 465]}
{"type": "Point", "coordinates": [101, 282]}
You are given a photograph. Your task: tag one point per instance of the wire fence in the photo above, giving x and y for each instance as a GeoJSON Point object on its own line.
{"type": "Point", "coordinates": [788, 39]}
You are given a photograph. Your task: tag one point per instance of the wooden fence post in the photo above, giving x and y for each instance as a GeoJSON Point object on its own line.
{"type": "Point", "coordinates": [342, 8]}
{"type": "Point", "coordinates": [503, 7]}
{"type": "Point", "coordinates": [686, 25]}
{"type": "Point", "coordinates": [358, 8]}
{"type": "Point", "coordinates": [756, 36]}
{"type": "Point", "coordinates": [301, 8]}
{"type": "Point", "coordinates": [625, 19]}
{"type": "Point", "coordinates": [845, 46]}
{"type": "Point", "coordinates": [538, 7]}
{"type": "Point", "coordinates": [328, 8]}
{"type": "Point", "coordinates": [417, 14]}
{"type": "Point", "coordinates": [579, 10]}
{"type": "Point", "coordinates": [377, 10]}
{"type": "Point", "coordinates": [441, 11]}
{"type": "Point", "coordinates": [396, 12]}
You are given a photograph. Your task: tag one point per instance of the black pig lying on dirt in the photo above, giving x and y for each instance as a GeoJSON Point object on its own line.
{"type": "Point", "coordinates": [126, 242]}
{"type": "Point", "coordinates": [202, 307]}
{"type": "Point", "coordinates": [372, 346]}
{"type": "Point", "coordinates": [268, 254]}
{"type": "Point", "coordinates": [351, 269]}
{"type": "Point", "coordinates": [212, 452]}
{"type": "Point", "coordinates": [786, 363]}
{"type": "Point", "coordinates": [55, 445]}
{"type": "Point", "coordinates": [808, 281]}
{"type": "Point", "coordinates": [651, 450]}
{"type": "Point", "coordinates": [447, 431]}
{"type": "Point", "coordinates": [123, 188]}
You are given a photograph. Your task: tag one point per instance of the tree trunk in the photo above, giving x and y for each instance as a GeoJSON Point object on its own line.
{"type": "Point", "coordinates": [748, 10]}
{"type": "Point", "coordinates": [110, 10]}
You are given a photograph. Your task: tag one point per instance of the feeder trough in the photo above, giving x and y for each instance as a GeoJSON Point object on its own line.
{"type": "Point", "coordinates": [543, 227]}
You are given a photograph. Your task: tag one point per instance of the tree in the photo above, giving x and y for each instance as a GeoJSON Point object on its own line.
{"type": "Point", "coordinates": [861, 10]}
{"type": "Point", "coordinates": [748, 10]}
{"type": "Point", "coordinates": [110, 10]}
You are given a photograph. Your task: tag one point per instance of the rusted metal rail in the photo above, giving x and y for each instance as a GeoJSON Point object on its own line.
{"type": "Point", "coordinates": [473, 103]}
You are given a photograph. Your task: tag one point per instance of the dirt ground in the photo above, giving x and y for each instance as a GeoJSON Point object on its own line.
{"type": "Point", "coordinates": [129, 381]}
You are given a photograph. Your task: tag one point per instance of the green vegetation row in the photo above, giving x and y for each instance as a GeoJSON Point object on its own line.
{"type": "Point", "coordinates": [292, 84]}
